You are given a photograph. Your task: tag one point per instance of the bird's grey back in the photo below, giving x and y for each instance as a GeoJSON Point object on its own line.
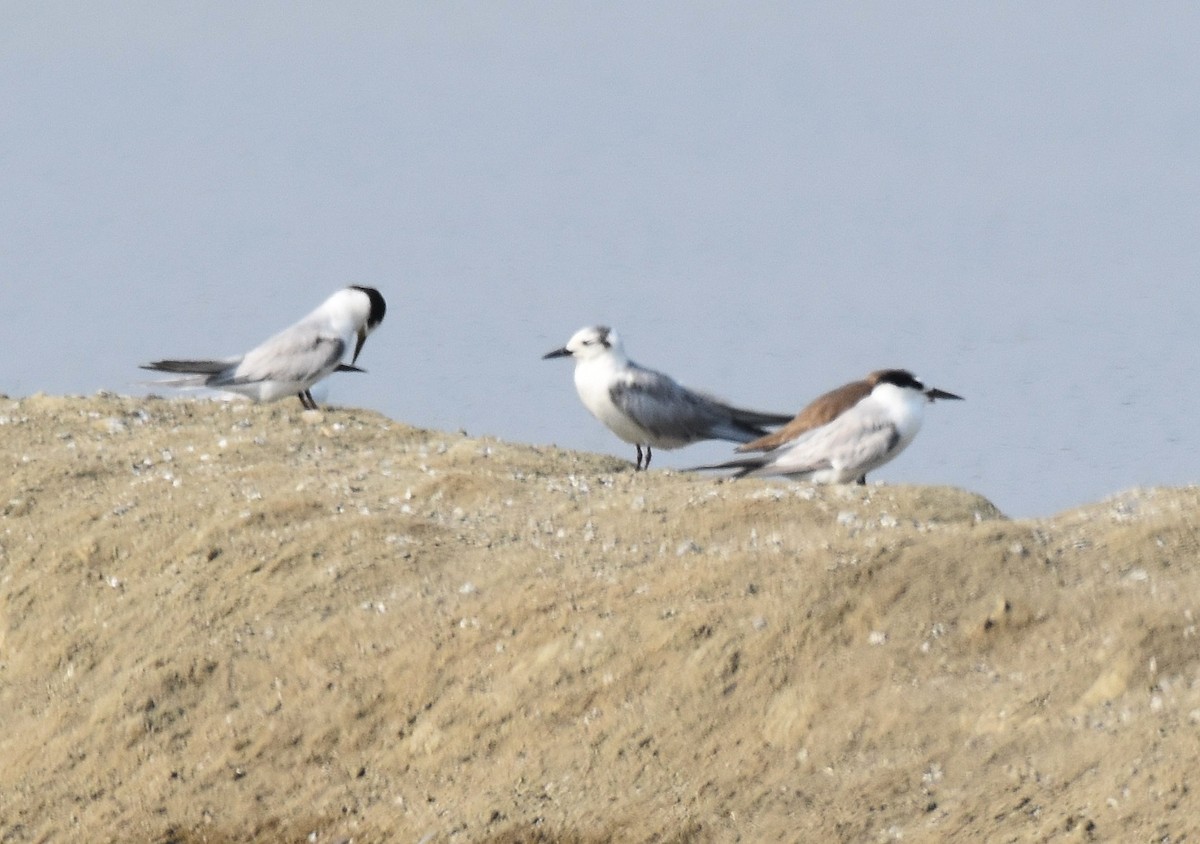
{"type": "Point", "coordinates": [670, 411]}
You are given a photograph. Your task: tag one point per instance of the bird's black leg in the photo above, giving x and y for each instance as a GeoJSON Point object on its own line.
{"type": "Point", "coordinates": [862, 480]}
{"type": "Point", "coordinates": [647, 466]}
{"type": "Point", "coordinates": [306, 399]}
{"type": "Point", "coordinates": [638, 466]}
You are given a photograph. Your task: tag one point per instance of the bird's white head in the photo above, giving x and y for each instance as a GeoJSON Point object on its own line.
{"type": "Point", "coordinates": [589, 343]}
{"type": "Point", "coordinates": [363, 310]}
{"type": "Point", "coordinates": [902, 383]}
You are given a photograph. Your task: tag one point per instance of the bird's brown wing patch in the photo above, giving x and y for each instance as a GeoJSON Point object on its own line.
{"type": "Point", "coordinates": [820, 411]}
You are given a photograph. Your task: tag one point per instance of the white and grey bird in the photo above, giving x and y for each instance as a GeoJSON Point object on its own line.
{"type": "Point", "coordinates": [292, 361]}
{"type": "Point", "coordinates": [821, 411]}
{"type": "Point", "coordinates": [844, 434]}
{"type": "Point", "coordinates": [647, 408]}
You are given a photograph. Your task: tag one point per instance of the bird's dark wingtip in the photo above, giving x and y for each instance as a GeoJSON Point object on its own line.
{"type": "Point", "coordinates": [743, 468]}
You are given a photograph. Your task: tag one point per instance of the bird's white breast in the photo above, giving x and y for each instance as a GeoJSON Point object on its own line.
{"type": "Point", "coordinates": [905, 408]}
{"type": "Point", "coordinates": [594, 379]}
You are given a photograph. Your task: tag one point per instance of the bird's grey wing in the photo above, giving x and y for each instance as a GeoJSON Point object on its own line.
{"type": "Point", "coordinates": [301, 353]}
{"type": "Point", "coordinates": [853, 440]}
{"type": "Point", "coordinates": [659, 404]}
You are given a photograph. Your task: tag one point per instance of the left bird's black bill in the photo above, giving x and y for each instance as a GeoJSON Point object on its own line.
{"type": "Point", "coordinates": [362, 338]}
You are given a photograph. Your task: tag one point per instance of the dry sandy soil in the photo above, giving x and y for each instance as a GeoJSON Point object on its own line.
{"type": "Point", "coordinates": [222, 622]}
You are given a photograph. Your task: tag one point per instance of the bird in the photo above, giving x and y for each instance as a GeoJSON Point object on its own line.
{"type": "Point", "coordinates": [292, 361]}
{"type": "Point", "coordinates": [648, 408]}
{"type": "Point", "coordinates": [844, 434]}
{"type": "Point", "coordinates": [820, 411]}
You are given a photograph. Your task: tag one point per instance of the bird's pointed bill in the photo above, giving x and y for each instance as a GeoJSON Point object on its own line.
{"type": "Point", "coordinates": [934, 393]}
{"type": "Point", "coordinates": [362, 338]}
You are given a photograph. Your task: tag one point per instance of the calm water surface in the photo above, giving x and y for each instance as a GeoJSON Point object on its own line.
{"type": "Point", "coordinates": [765, 202]}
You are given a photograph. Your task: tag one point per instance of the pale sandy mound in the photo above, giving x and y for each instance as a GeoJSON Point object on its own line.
{"type": "Point", "coordinates": [222, 622]}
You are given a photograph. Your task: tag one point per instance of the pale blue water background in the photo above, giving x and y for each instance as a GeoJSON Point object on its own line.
{"type": "Point", "coordinates": [765, 199]}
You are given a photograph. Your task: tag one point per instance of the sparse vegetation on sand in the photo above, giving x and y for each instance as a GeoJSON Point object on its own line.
{"type": "Point", "coordinates": [227, 622]}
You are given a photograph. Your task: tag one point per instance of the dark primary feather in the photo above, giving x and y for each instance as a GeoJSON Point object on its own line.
{"type": "Point", "coordinates": [744, 465]}
{"type": "Point", "coordinates": [753, 417]}
{"type": "Point", "coordinates": [190, 367]}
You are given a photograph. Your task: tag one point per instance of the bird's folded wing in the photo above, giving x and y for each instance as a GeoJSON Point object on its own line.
{"type": "Point", "coordinates": [661, 406]}
{"type": "Point", "coordinates": [859, 440]}
{"type": "Point", "coordinates": [295, 355]}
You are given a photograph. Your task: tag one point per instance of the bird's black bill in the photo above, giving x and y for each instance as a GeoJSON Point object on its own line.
{"type": "Point", "coordinates": [557, 353]}
{"type": "Point", "coordinates": [362, 338]}
{"type": "Point", "coordinates": [346, 367]}
{"type": "Point", "coordinates": [935, 393]}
